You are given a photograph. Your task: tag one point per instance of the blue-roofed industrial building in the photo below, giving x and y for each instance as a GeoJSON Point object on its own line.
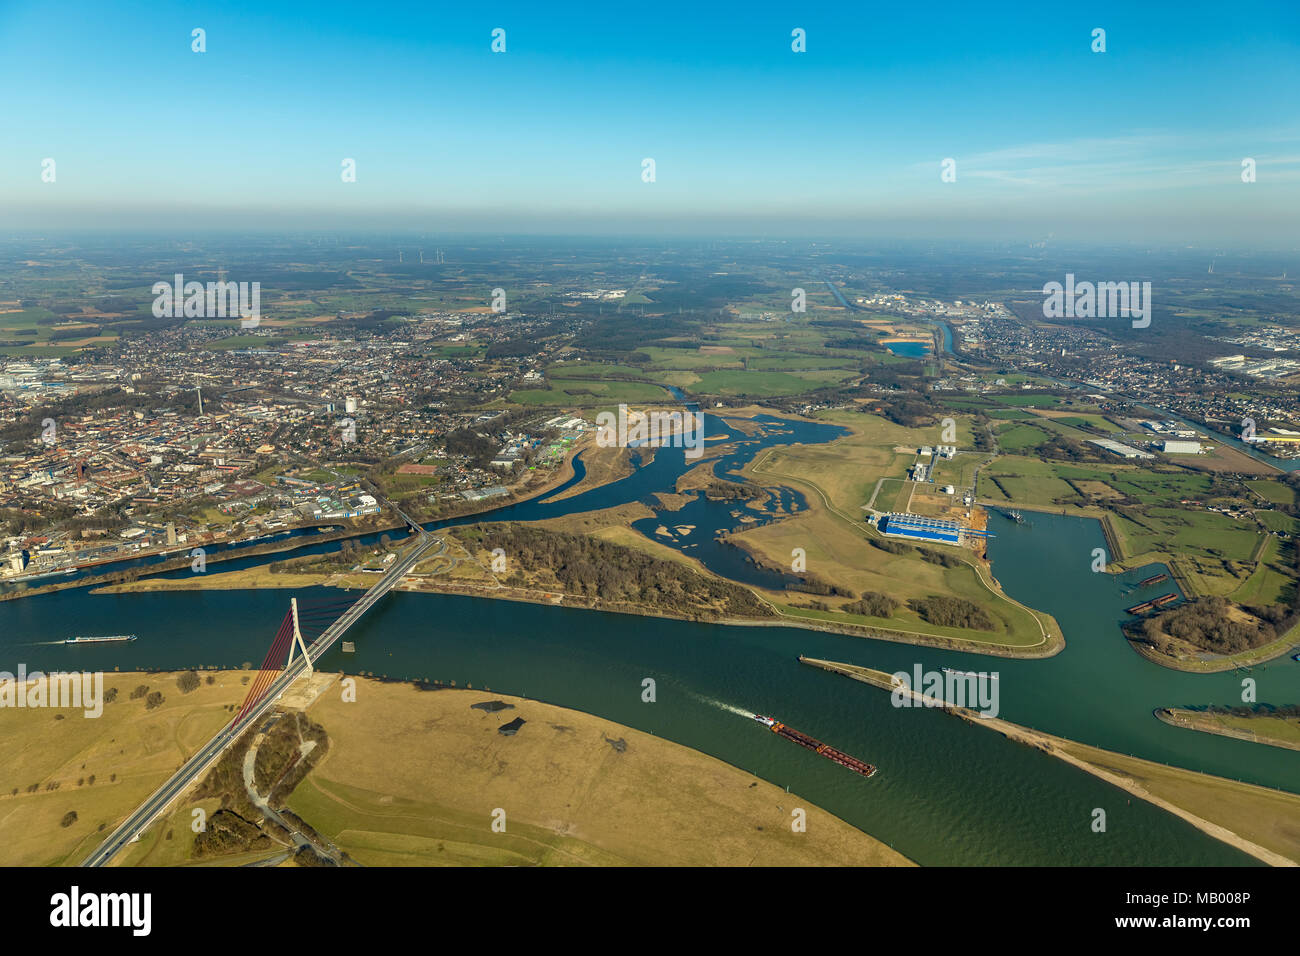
{"type": "Point", "coordinates": [916, 526]}
{"type": "Point", "coordinates": [920, 527]}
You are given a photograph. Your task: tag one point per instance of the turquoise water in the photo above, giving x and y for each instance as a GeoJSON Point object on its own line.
{"type": "Point", "coordinates": [946, 793]}
{"type": "Point", "coordinates": [909, 349]}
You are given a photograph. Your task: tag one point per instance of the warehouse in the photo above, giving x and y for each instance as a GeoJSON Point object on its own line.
{"type": "Point", "coordinates": [1180, 447]}
{"type": "Point", "coordinates": [1124, 451]}
{"type": "Point", "coordinates": [921, 527]}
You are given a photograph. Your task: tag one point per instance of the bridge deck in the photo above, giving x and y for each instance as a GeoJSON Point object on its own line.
{"type": "Point", "coordinates": [207, 755]}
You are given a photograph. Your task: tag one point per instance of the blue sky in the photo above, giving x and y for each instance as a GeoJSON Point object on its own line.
{"type": "Point", "coordinates": [1146, 139]}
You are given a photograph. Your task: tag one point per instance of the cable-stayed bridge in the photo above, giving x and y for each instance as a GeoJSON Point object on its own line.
{"type": "Point", "coordinates": [265, 690]}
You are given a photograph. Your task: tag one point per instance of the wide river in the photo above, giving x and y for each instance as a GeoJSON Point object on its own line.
{"type": "Point", "coordinates": [946, 793]}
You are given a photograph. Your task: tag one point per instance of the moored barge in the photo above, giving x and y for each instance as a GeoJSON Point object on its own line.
{"type": "Point", "coordinates": [1152, 604]}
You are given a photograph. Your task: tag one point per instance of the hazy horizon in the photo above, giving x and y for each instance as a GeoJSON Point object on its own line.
{"type": "Point", "coordinates": [1145, 141]}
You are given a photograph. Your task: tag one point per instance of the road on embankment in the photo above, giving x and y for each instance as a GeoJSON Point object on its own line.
{"type": "Point", "coordinates": [209, 753]}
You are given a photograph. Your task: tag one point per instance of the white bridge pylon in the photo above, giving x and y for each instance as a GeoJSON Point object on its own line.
{"type": "Point", "coordinates": [297, 639]}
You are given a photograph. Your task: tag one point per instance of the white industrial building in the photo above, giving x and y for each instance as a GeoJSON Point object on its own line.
{"type": "Point", "coordinates": [1118, 448]}
{"type": "Point", "coordinates": [1170, 447]}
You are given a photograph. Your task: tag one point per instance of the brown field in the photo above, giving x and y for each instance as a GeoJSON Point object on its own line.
{"type": "Point", "coordinates": [588, 522]}
{"type": "Point", "coordinates": [749, 411]}
{"type": "Point", "coordinates": [1225, 458]}
{"type": "Point", "coordinates": [1097, 489]}
{"type": "Point", "coordinates": [94, 340]}
{"type": "Point", "coordinates": [693, 479]}
{"type": "Point", "coordinates": [629, 538]}
{"type": "Point", "coordinates": [129, 751]}
{"type": "Point", "coordinates": [426, 794]}
{"type": "Point", "coordinates": [248, 578]}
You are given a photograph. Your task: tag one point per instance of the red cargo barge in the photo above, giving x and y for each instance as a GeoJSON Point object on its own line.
{"type": "Point", "coordinates": [816, 746]}
{"type": "Point", "coordinates": [1152, 604]}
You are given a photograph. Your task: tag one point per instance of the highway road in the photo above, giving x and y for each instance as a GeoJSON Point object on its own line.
{"type": "Point", "coordinates": [207, 755]}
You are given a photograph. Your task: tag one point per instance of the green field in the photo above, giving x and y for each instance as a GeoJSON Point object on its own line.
{"type": "Point", "coordinates": [579, 391]}
{"type": "Point", "coordinates": [1270, 583]}
{"type": "Point", "coordinates": [740, 382]}
{"type": "Point", "coordinates": [39, 351]}
{"type": "Point", "coordinates": [598, 370]}
{"type": "Point", "coordinates": [1024, 481]}
{"type": "Point", "coordinates": [1015, 438]}
{"type": "Point", "coordinates": [456, 351]}
{"type": "Point", "coordinates": [769, 361]}
{"type": "Point", "coordinates": [1187, 531]}
{"type": "Point", "coordinates": [959, 471]}
{"type": "Point", "coordinates": [1214, 553]}
{"type": "Point", "coordinates": [893, 495]}
{"type": "Point", "coordinates": [1277, 521]}
{"type": "Point", "coordinates": [1150, 488]}
{"type": "Point", "coordinates": [1037, 400]}
{"type": "Point", "coordinates": [1273, 491]}
{"type": "Point", "coordinates": [1085, 421]}
{"type": "Point", "coordinates": [37, 321]}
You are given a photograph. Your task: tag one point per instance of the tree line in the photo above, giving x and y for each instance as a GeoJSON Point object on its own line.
{"type": "Point", "coordinates": [1207, 624]}
{"type": "Point", "coordinates": [593, 568]}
